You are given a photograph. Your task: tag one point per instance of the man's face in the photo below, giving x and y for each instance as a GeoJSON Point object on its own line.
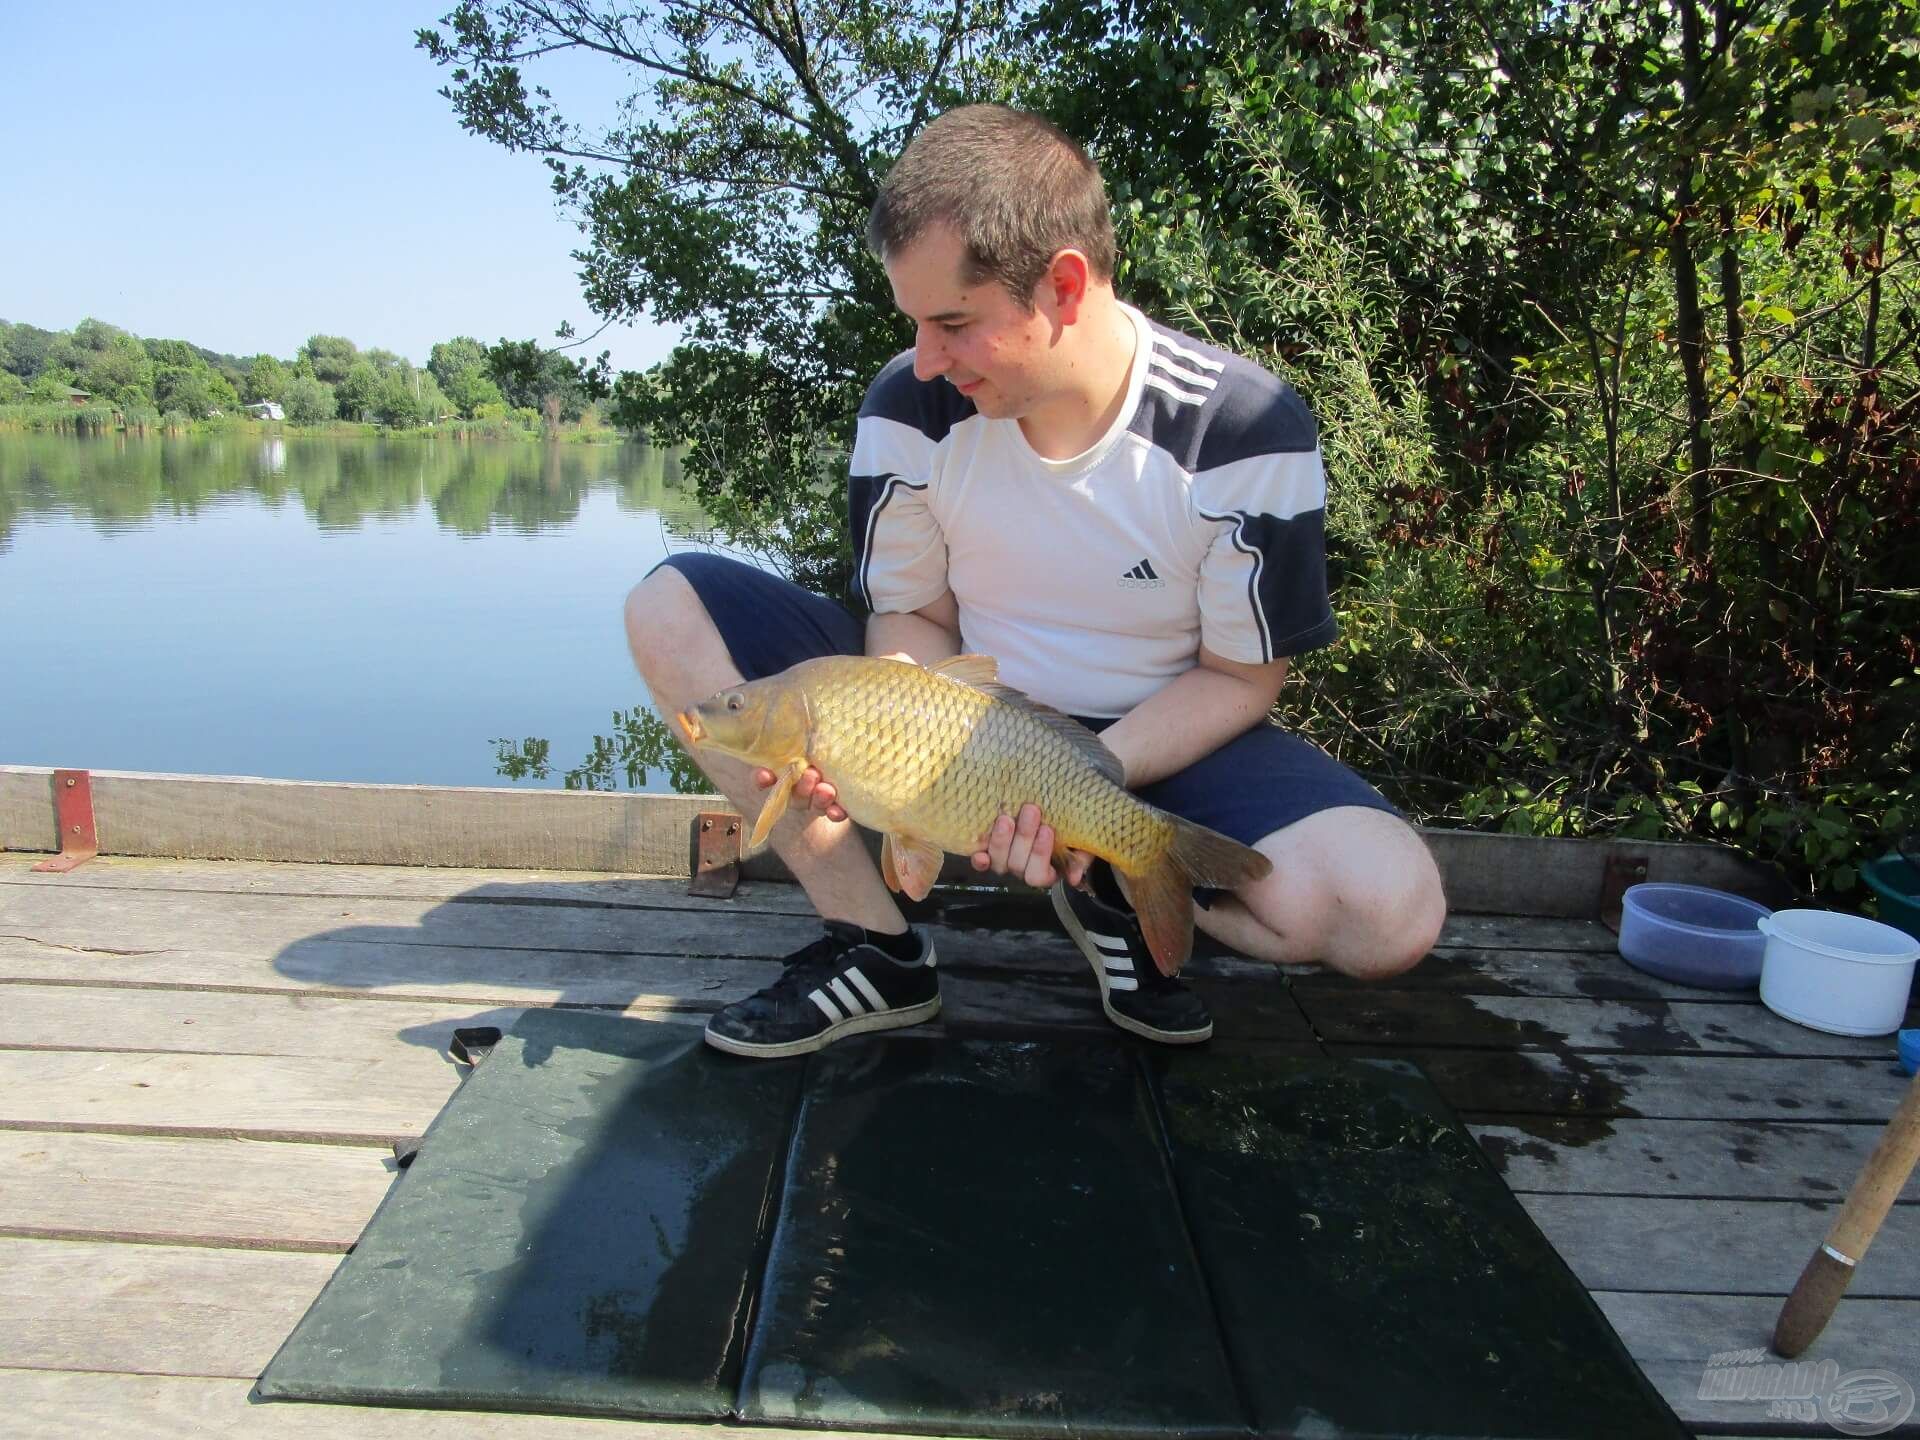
{"type": "Point", "coordinates": [988, 348]}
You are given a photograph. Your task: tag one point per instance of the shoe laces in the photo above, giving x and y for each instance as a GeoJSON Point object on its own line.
{"type": "Point", "coordinates": [807, 965]}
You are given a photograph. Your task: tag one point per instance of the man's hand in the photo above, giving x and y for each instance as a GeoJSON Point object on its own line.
{"type": "Point", "coordinates": [810, 792]}
{"type": "Point", "coordinates": [1023, 846]}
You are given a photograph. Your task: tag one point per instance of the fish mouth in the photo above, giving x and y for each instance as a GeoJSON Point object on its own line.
{"type": "Point", "coordinates": [691, 727]}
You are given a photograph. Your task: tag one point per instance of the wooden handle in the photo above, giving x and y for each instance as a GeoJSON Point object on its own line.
{"type": "Point", "coordinates": [1825, 1278]}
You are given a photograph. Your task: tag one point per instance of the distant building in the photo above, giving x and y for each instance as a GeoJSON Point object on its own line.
{"type": "Point", "coordinates": [266, 410]}
{"type": "Point", "coordinates": [76, 396]}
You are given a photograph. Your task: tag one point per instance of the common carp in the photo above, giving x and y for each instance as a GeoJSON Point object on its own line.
{"type": "Point", "coordinates": [931, 757]}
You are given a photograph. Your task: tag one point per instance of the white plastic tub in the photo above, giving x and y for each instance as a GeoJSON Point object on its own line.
{"type": "Point", "coordinates": [1839, 973]}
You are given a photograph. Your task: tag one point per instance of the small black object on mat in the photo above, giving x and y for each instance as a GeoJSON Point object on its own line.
{"type": "Point", "coordinates": [963, 1237]}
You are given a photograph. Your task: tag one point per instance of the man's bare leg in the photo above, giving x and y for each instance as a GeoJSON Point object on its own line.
{"type": "Point", "coordinates": [1352, 888]}
{"type": "Point", "coordinates": [682, 658]}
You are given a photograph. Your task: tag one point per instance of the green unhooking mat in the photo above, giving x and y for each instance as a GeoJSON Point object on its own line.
{"type": "Point", "coordinates": [961, 1237]}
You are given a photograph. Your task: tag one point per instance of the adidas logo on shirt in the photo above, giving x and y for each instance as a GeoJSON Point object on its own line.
{"type": "Point", "coordinates": [1142, 577]}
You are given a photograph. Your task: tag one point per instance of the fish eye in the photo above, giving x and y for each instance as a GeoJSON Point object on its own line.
{"type": "Point", "coordinates": [733, 702]}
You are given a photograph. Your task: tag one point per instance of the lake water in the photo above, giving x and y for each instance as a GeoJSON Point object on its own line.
{"type": "Point", "coordinates": [401, 610]}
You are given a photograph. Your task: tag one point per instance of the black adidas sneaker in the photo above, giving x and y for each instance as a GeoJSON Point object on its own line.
{"type": "Point", "coordinates": [842, 984]}
{"type": "Point", "coordinates": [1133, 992]}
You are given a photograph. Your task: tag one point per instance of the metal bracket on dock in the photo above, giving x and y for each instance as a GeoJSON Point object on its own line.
{"type": "Point", "coordinates": [1621, 872]}
{"type": "Point", "coordinates": [714, 848]}
{"type": "Point", "coordinates": [73, 803]}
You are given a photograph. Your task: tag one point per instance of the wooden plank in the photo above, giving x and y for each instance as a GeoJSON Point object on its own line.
{"type": "Point", "coordinates": [650, 983]}
{"type": "Point", "coordinates": [83, 1405]}
{"type": "Point", "coordinates": [1672, 1338]}
{"type": "Point", "coordinates": [243, 818]}
{"type": "Point", "coordinates": [340, 1011]}
{"type": "Point", "coordinates": [1524, 932]}
{"type": "Point", "coordinates": [1639, 1027]}
{"type": "Point", "coordinates": [1717, 1247]}
{"type": "Point", "coordinates": [405, 882]}
{"type": "Point", "coordinates": [151, 1309]}
{"type": "Point", "coordinates": [1494, 1083]}
{"type": "Point", "coordinates": [199, 1022]}
{"type": "Point", "coordinates": [266, 1097]}
{"type": "Point", "coordinates": [1730, 1159]}
{"type": "Point", "coordinates": [1545, 973]}
{"type": "Point", "coordinates": [976, 907]}
{"type": "Point", "coordinates": [228, 817]}
{"type": "Point", "coordinates": [233, 1193]}
{"type": "Point", "coordinates": [99, 1019]}
{"type": "Point", "coordinates": [594, 955]}
{"type": "Point", "coordinates": [138, 920]}
{"type": "Point", "coordinates": [1531, 875]}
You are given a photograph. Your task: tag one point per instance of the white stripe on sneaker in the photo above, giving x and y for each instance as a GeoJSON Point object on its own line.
{"type": "Point", "coordinates": [1122, 982]}
{"type": "Point", "coordinates": [846, 997]}
{"type": "Point", "coordinates": [1109, 944]}
{"type": "Point", "coordinates": [827, 1007]}
{"type": "Point", "coordinates": [865, 987]}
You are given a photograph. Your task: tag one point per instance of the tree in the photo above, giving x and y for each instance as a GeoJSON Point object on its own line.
{"type": "Point", "coordinates": [731, 197]}
{"type": "Point", "coordinates": [194, 390]}
{"type": "Point", "coordinates": [394, 402]}
{"type": "Point", "coordinates": [27, 347]}
{"type": "Point", "coordinates": [533, 378]}
{"type": "Point", "coordinates": [176, 353]}
{"type": "Point", "coordinates": [470, 387]}
{"type": "Point", "coordinates": [266, 380]}
{"type": "Point", "coordinates": [330, 357]}
{"type": "Point", "coordinates": [358, 392]}
{"type": "Point", "coordinates": [121, 373]}
{"type": "Point", "coordinates": [307, 401]}
{"type": "Point", "coordinates": [450, 357]}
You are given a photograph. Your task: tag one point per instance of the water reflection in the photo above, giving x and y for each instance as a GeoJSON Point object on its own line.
{"type": "Point", "coordinates": [123, 482]}
{"type": "Point", "coordinates": [641, 752]}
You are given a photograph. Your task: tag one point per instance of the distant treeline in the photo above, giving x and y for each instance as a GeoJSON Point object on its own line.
{"type": "Point", "coordinates": [342, 482]}
{"type": "Point", "coordinates": [329, 378]}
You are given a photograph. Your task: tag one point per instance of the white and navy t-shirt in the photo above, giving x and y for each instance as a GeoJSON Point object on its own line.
{"type": "Point", "coordinates": [1199, 518]}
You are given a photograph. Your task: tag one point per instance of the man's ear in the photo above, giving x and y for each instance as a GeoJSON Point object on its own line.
{"type": "Point", "coordinates": [1065, 285]}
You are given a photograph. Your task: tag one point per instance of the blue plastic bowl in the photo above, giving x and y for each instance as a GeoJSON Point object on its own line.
{"type": "Point", "coordinates": [1910, 1050]}
{"type": "Point", "coordinates": [1692, 935]}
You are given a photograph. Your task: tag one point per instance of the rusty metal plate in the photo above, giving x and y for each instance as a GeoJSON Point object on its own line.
{"type": "Point", "coordinates": [73, 803]}
{"type": "Point", "coordinates": [715, 854]}
{"type": "Point", "coordinates": [1622, 872]}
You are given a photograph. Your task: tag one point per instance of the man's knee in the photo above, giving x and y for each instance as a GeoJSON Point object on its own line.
{"type": "Point", "coordinates": [1364, 881]}
{"type": "Point", "coordinates": [667, 622]}
{"type": "Point", "coordinates": [1405, 906]}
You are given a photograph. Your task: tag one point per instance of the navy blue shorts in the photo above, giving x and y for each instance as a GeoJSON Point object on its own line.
{"type": "Point", "coordinates": [1263, 781]}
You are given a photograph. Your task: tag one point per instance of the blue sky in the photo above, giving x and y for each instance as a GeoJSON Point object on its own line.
{"type": "Point", "coordinates": [244, 175]}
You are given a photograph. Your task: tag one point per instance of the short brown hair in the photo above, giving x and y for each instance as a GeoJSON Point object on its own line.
{"type": "Point", "coordinates": [1014, 186]}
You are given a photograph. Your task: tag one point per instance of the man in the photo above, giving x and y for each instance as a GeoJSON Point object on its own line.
{"type": "Point", "coordinates": [1131, 521]}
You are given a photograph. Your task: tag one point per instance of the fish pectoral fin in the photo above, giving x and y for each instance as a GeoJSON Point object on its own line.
{"type": "Point", "coordinates": [776, 804]}
{"type": "Point", "coordinates": [910, 865]}
{"type": "Point", "coordinates": [1163, 900]}
{"type": "Point", "coordinates": [969, 669]}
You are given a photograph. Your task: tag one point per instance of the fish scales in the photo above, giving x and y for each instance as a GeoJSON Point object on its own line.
{"type": "Point", "coordinates": [932, 756]}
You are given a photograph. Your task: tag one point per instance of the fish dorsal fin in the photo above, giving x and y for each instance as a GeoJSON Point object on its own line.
{"type": "Point", "coordinates": [1088, 745]}
{"type": "Point", "coordinates": [976, 670]}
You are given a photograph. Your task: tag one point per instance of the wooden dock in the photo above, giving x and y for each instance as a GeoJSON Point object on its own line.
{"type": "Point", "coordinates": [204, 1064]}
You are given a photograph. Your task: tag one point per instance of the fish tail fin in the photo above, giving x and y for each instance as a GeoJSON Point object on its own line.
{"type": "Point", "coordinates": [1162, 894]}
